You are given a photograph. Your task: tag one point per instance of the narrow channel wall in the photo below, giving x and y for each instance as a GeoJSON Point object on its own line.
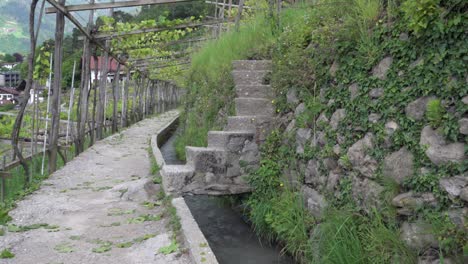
{"type": "Point", "coordinates": [195, 241]}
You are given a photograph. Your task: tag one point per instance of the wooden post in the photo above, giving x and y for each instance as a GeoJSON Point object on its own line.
{"type": "Point", "coordinates": [215, 32]}
{"type": "Point", "coordinates": [278, 10]}
{"type": "Point", "coordinates": [55, 104]}
{"type": "Point", "coordinates": [239, 14]}
{"type": "Point", "coordinates": [94, 85]}
{"type": "Point", "coordinates": [102, 97]}
{"type": "Point", "coordinates": [135, 89]}
{"type": "Point", "coordinates": [33, 118]}
{"type": "Point", "coordinates": [125, 100]}
{"type": "Point", "coordinates": [84, 89]}
{"type": "Point", "coordinates": [44, 147]}
{"type": "Point", "coordinates": [221, 17]}
{"type": "Point", "coordinates": [115, 93]}
{"type": "Point", "coordinates": [140, 98]}
{"type": "Point", "coordinates": [70, 107]}
{"type": "Point", "coordinates": [122, 98]}
{"type": "Point", "coordinates": [2, 176]}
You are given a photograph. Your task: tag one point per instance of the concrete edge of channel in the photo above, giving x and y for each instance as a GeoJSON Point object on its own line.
{"type": "Point", "coordinates": [195, 241]}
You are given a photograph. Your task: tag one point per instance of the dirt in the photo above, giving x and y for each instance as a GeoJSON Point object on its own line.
{"type": "Point", "coordinates": [95, 209]}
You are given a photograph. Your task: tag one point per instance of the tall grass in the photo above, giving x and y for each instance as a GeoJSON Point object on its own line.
{"type": "Point", "coordinates": [346, 236]}
{"type": "Point", "coordinates": [210, 84]}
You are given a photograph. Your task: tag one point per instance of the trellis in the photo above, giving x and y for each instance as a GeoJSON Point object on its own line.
{"type": "Point", "coordinates": [149, 95]}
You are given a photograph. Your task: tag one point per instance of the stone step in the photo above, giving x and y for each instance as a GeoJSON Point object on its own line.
{"type": "Point", "coordinates": [246, 123]}
{"type": "Point", "coordinates": [254, 106]}
{"type": "Point", "coordinates": [174, 177]}
{"type": "Point", "coordinates": [207, 159]}
{"type": "Point", "coordinates": [251, 65]}
{"type": "Point", "coordinates": [254, 91]}
{"type": "Point", "coordinates": [232, 141]}
{"type": "Point", "coordinates": [249, 77]}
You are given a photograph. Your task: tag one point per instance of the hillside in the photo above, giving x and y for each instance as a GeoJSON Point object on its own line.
{"type": "Point", "coordinates": [14, 20]}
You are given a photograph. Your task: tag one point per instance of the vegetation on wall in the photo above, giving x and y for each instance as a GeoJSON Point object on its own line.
{"type": "Point", "coordinates": [320, 50]}
{"type": "Point", "coordinates": [426, 41]}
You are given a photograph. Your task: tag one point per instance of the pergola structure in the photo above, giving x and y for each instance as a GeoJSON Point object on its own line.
{"type": "Point", "coordinates": [138, 70]}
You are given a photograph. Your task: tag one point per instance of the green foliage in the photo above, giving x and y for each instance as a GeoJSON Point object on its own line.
{"type": "Point", "coordinates": [421, 13]}
{"type": "Point", "coordinates": [337, 239]}
{"type": "Point", "coordinates": [103, 247]}
{"type": "Point", "coordinates": [356, 38]}
{"type": "Point", "coordinates": [6, 254]}
{"type": "Point", "coordinates": [173, 247]}
{"type": "Point", "coordinates": [64, 248]}
{"type": "Point", "coordinates": [42, 64]}
{"type": "Point", "coordinates": [435, 112]}
{"type": "Point", "coordinates": [153, 44]}
{"type": "Point", "coordinates": [6, 108]}
{"type": "Point", "coordinates": [125, 244]}
{"type": "Point", "coordinates": [382, 242]}
{"type": "Point", "coordinates": [174, 219]}
{"type": "Point", "coordinates": [291, 223]}
{"type": "Point", "coordinates": [453, 239]}
{"type": "Point", "coordinates": [143, 218]}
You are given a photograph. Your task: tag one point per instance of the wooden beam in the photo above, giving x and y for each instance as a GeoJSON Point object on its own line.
{"type": "Point", "coordinates": [167, 44]}
{"type": "Point", "coordinates": [155, 29]}
{"type": "Point", "coordinates": [155, 65]}
{"type": "Point", "coordinates": [67, 14]}
{"type": "Point", "coordinates": [223, 4]}
{"type": "Point", "coordinates": [174, 55]}
{"type": "Point", "coordinates": [148, 66]}
{"type": "Point", "coordinates": [84, 7]}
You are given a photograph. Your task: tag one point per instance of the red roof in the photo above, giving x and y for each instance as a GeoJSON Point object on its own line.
{"type": "Point", "coordinates": [112, 65]}
{"type": "Point", "coordinates": [9, 91]}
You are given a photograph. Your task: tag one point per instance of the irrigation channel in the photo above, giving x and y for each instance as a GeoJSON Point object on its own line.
{"type": "Point", "coordinates": [230, 237]}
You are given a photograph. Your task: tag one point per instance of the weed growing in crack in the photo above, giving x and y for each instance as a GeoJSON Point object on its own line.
{"type": "Point", "coordinates": [173, 247]}
{"type": "Point", "coordinates": [64, 248]}
{"type": "Point", "coordinates": [6, 254]}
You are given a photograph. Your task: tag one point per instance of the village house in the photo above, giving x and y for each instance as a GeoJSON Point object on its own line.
{"type": "Point", "coordinates": [10, 79]}
{"type": "Point", "coordinates": [8, 95]}
{"type": "Point", "coordinates": [9, 65]}
{"type": "Point", "coordinates": [112, 66]}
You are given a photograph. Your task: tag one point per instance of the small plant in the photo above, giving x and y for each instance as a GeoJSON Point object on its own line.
{"type": "Point", "coordinates": [6, 254]}
{"type": "Point", "coordinates": [104, 246]}
{"type": "Point", "coordinates": [151, 205]}
{"type": "Point", "coordinates": [435, 112]}
{"type": "Point", "coordinates": [64, 248]}
{"type": "Point", "coordinates": [157, 180]}
{"type": "Point", "coordinates": [125, 244]}
{"type": "Point", "coordinates": [421, 13]}
{"type": "Point", "coordinates": [119, 211]}
{"type": "Point", "coordinates": [344, 161]}
{"type": "Point", "coordinates": [143, 218]}
{"type": "Point", "coordinates": [173, 247]}
{"type": "Point", "coordinates": [143, 238]}
{"type": "Point", "coordinates": [4, 217]}
{"type": "Point", "coordinates": [453, 240]}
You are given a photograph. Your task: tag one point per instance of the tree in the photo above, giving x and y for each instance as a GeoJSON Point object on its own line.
{"type": "Point", "coordinates": [9, 58]}
{"type": "Point", "coordinates": [18, 57]}
{"type": "Point", "coordinates": [23, 103]}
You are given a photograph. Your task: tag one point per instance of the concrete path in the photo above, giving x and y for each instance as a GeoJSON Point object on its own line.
{"type": "Point", "coordinates": [95, 209]}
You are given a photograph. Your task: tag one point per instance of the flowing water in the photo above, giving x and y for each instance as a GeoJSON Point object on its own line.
{"type": "Point", "coordinates": [230, 237]}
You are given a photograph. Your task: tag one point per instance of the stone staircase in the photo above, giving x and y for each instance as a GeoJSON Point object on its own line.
{"type": "Point", "coordinates": [220, 168]}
